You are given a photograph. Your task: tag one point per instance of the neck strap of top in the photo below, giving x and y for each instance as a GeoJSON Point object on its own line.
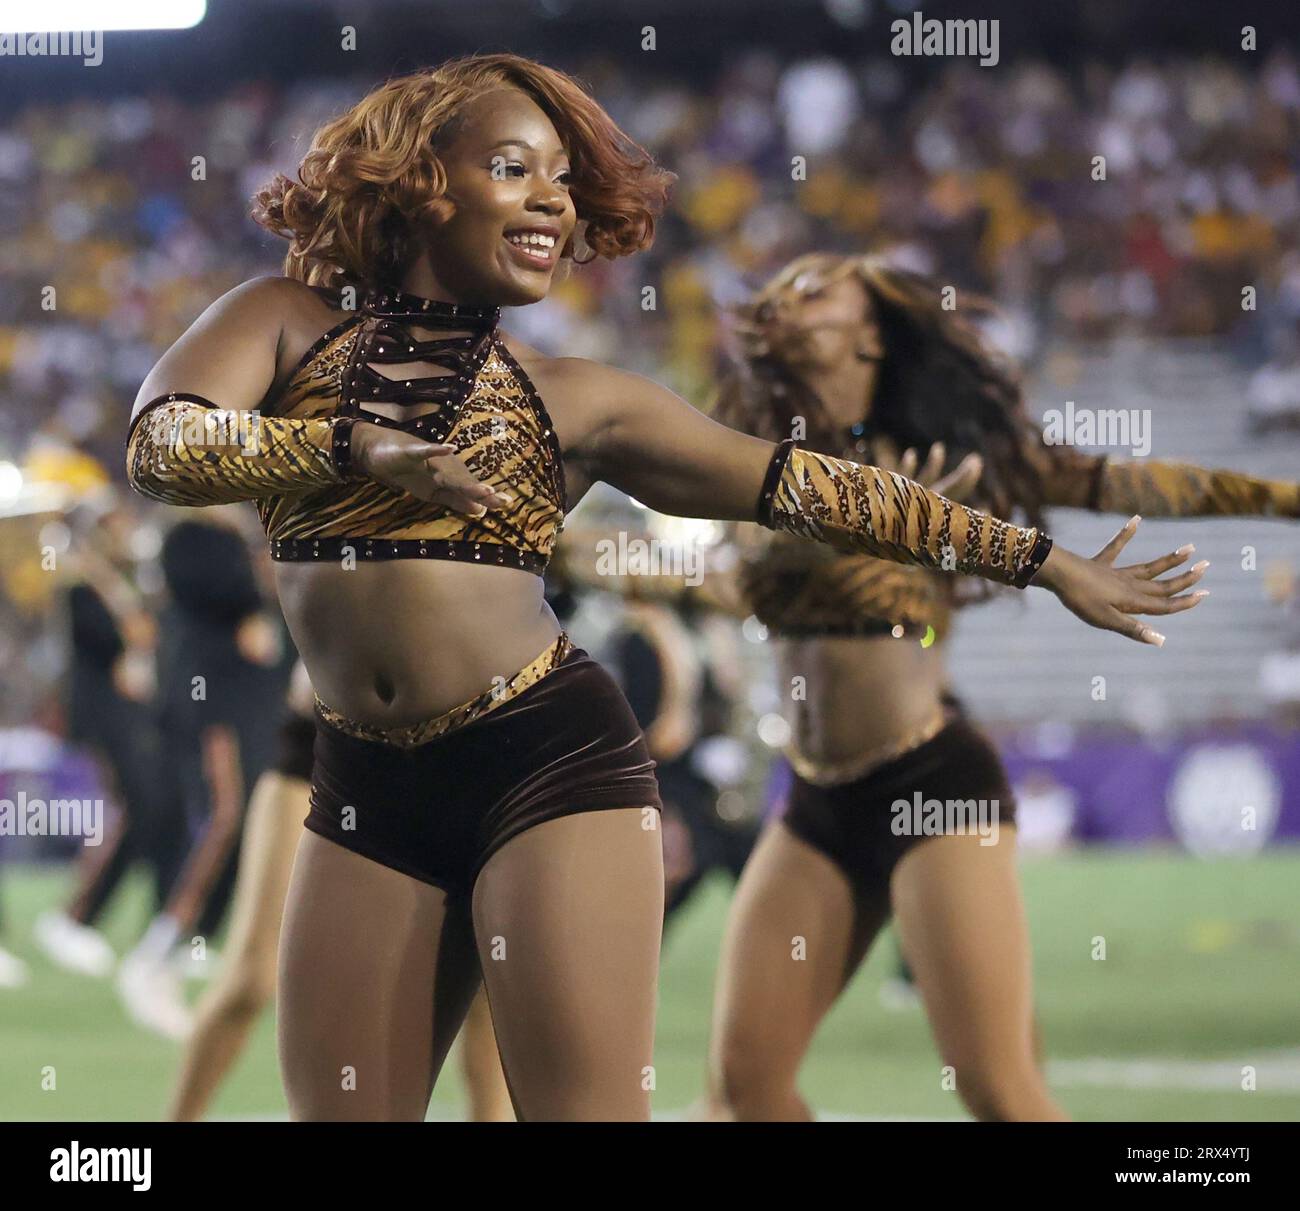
{"type": "Point", "coordinates": [431, 313]}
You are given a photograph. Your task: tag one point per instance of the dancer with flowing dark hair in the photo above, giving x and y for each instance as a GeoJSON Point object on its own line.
{"type": "Point", "coordinates": [866, 359]}
{"type": "Point", "coordinates": [483, 806]}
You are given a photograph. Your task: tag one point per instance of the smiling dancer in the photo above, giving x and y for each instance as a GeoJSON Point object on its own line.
{"type": "Point", "coordinates": [482, 800]}
{"type": "Point", "coordinates": [869, 359]}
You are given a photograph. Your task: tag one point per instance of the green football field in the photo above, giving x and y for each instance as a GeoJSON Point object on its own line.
{"type": "Point", "coordinates": [1201, 981]}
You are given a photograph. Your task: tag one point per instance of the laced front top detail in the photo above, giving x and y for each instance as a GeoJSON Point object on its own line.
{"type": "Point", "coordinates": [439, 371]}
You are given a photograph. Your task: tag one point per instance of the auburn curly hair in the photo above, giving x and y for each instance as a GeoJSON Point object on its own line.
{"type": "Point", "coordinates": [372, 174]}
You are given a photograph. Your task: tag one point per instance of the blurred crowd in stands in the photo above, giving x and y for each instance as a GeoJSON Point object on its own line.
{"type": "Point", "coordinates": [1093, 202]}
{"type": "Point", "coordinates": [987, 177]}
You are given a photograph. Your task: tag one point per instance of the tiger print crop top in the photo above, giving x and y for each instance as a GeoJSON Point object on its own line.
{"type": "Point", "coordinates": [294, 452]}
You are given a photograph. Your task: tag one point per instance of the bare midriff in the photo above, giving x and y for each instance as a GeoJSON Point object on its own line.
{"type": "Point", "coordinates": [391, 643]}
{"type": "Point", "coordinates": [862, 695]}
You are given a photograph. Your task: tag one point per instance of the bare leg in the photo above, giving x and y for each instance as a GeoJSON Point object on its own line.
{"type": "Point", "coordinates": [963, 929]}
{"type": "Point", "coordinates": [485, 1082]}
{"type": "Point", "coordinates": [376, 975]}
{"type": "Point", "coordinates": [100, 872]}
{"type": "Point", "coordinates": [795, 936]}
{"type": "Point", "coordinates": [568, 917]}
{"type": "Point", "coordinates": [221, 768]}
{"type": "Point", "coordinates": [246, 981]}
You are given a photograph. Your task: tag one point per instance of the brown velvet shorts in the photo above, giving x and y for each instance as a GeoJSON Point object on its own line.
{"type": "Point", "coordinates": [567, 742]}
{"type": "Point", "coordinates": [297, 742]}
{"type": "Point", "coordinates": [867, 825]}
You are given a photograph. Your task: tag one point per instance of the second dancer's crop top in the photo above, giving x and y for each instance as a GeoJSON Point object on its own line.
{"type": "Point", "coordinates": [297, 469]}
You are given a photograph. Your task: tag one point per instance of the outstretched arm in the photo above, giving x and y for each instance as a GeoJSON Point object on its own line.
{"type": "Point", "coordinates": [656, 447]}
{"type": "Point", "coordinates": [1153, 488]}
{"type": "Point", "coordinates": [196, 435]}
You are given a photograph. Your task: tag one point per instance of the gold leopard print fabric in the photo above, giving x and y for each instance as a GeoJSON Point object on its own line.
{"type": "Point", "coordinates": [439, 371]}
{"type": "Point", "coordinates": [803, 590]}
{"type": "Point", "coordinates": [857, 508]}
{"type": "Point", "coordinates": [184, 450]}
{"type": "Point", "coordinates": [1163, 489]}
{"type": "Point", "coordinates": [489, 410]}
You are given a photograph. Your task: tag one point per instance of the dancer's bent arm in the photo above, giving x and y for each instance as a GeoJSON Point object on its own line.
{"type": "Point", "coordinates": [197, 438]}
{"type": "Point", "coordinates": [653, 445]}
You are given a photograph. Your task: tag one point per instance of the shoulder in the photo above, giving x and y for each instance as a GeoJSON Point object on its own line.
{"type": "Point", "coordinates": [264, 297]}
{"type": "Point", "coordinates": [276, 302]}
{"type": "Point", "coordinates": [579, 379]}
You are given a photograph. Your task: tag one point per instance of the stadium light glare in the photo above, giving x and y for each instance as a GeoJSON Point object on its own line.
{"type": "Point", "coordinates": [70, 16]}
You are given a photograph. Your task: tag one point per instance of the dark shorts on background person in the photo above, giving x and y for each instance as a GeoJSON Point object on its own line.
{"type": "Point", "coordinates": [853, 823]}
{"type": "Point", "coordinates": [297, 746]}
{"type": "Point", "coordinates": [437, 810]}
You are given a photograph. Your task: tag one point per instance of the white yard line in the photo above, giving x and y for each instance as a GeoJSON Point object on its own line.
{"type": "Point", "coordinates": [1275, 1072]}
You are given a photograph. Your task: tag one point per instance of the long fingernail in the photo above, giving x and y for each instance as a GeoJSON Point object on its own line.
{"type": "Point", "coordinates": [1201, 593]}
{"type": "Point", "coordinates": [1187, 550]}
{"type": "Point", "coordinates": [1200, 567]}
{"type": "Point", "coordinates": [480, 511]}
{"type": "Point", "coordinates": [1157, 638]}
{"type": "Point", "coordinates": [1137, 517]}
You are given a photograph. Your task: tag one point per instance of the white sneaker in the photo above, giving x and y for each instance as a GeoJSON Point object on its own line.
{"type": "Point", "coordinates": [73, 946]}
{"type": "Point", "coordinates": [13, 971]}
{"type": "Point", "coordinates": [185, 965]}
{"type": "Point", "coordinates": [151, 993]}
{"type": "Point", "coordinates": [898, 996]}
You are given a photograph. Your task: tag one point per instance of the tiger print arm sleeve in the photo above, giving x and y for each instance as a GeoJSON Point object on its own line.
{"type": "Point", "coordinates": [1167, 489]}
{"type": "Point", "coordinates": [184, 450]}
{"type": "Point", "coordinates": [853, 507]}
{"type": "Point", "coordinates": [1157, 489]}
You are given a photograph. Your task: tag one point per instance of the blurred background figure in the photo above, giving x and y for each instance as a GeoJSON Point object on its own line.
{"type": "Point", "coordinates": [111, 712]}
{"type": "Point", "coordinates": [224, 670]}
{"type": "Point", "coordinates": [664, 669]}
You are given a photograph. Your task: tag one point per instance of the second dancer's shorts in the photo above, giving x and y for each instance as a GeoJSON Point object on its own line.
{"type": "Point", "coordinates": [437, 799]}
{"type": "Point", "coordinates": [297, 745]}
{"type": "Point", "coordinates": [952, 782]}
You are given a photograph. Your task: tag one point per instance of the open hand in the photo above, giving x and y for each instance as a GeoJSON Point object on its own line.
{"type": "Point", "coordinates": [956, 485]}
{"type": "Point", "coordinates": [429, 471]}
{"type": "Point", "coordinates": [1109, 597]}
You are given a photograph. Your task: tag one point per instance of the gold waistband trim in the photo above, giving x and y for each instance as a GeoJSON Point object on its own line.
{"type": "Point", "coordinates": [429, 729]}
{"type": "Point", "coordinates": [836, 773]}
